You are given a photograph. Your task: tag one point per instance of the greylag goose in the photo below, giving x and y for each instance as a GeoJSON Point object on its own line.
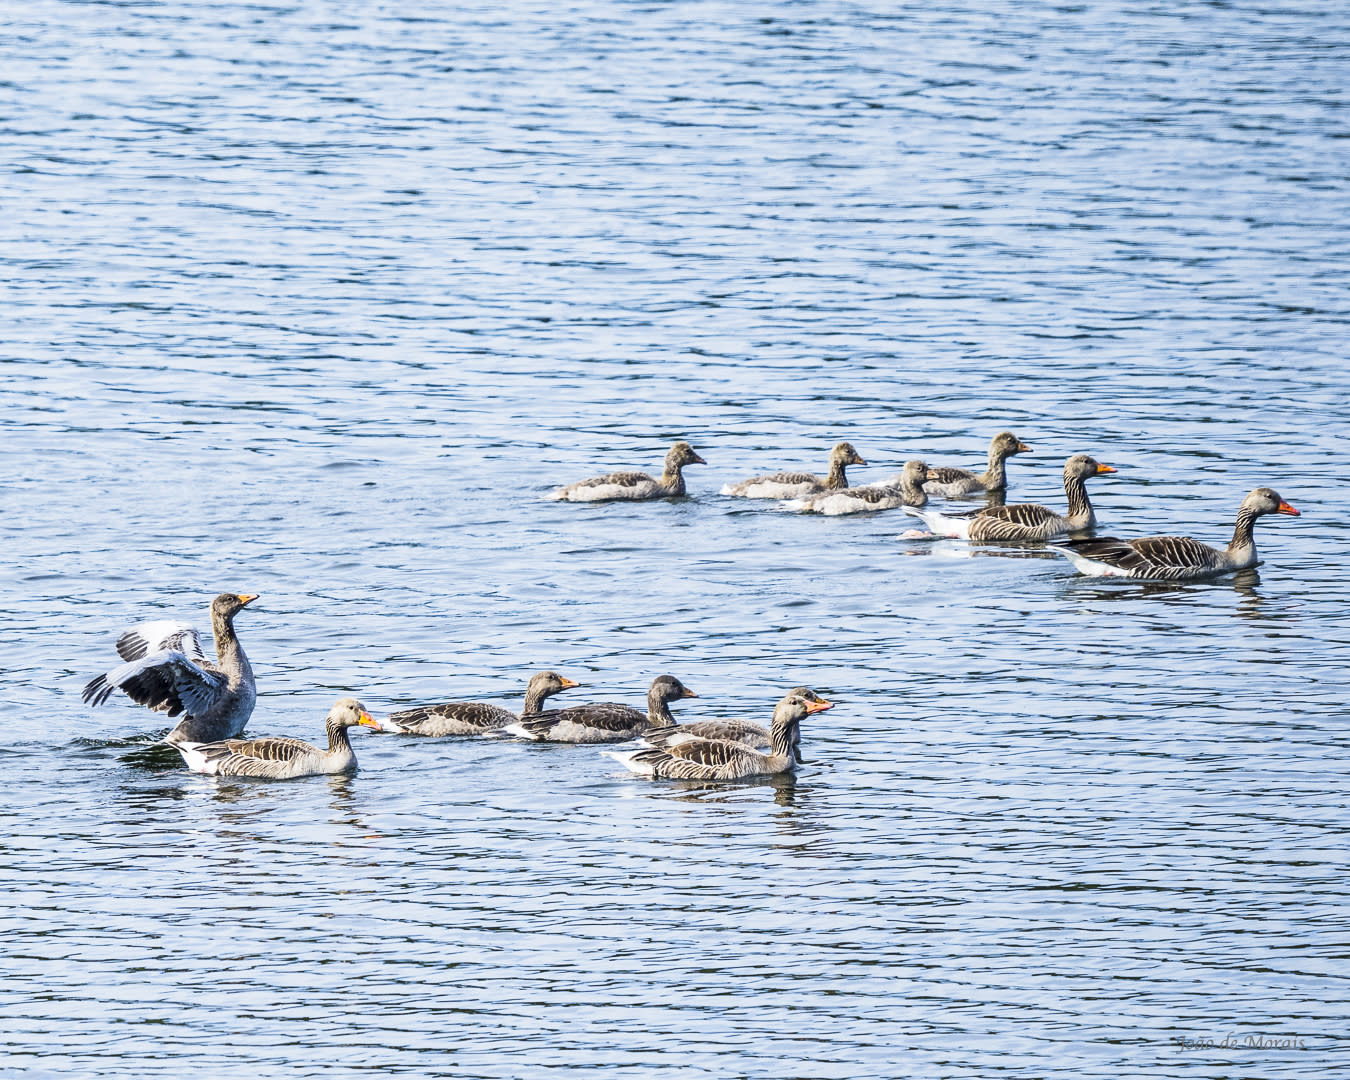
{"type": "Point", "coordinates": [1176, 558]}
{"type": "Point", "coordinates": [166, 670]}
{"type": "Point", "coordinates": [737, 731]}
{"type": "Point", "coordinates": [635, 485]}
{"type": "Point", "coordinates": [798, 485]}
{"type": "Point", "coordinates": [905, 489]}
{"type": "Point", "coordinates": [474, 717]}
{"type": "Point", "coordinates": [1022, 522]}
{"type": "Point", "coordinates": [945, 481]}
{"type": "Point", "coordinates": [280, 758]}
{"type": "Point", "coordinates": [604, 721]}
{"type": "Point", "coordinates": [719, 759]}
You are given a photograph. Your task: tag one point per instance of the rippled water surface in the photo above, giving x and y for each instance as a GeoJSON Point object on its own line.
{"type": "Point", "coordinates": [318, 301]}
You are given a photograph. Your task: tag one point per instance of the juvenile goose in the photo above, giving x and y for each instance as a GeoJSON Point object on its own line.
{"type": "Point", "coordinates": [905, 489]}
{"type": "Point", "coordinates": [945, 481]}
{"type": "Point", "coordinates": [166, 670]}
{"type": "Point", "coordinates": [719, 759]}
{"type": "Point", "coordinates": [798, 485]}
{"type": "Point", "coordinates": [473, 717]}
{"type": "Point", "coordinates": [280, 758]}
{"type": "Point", "coordinates": [1176, 558]}
{"type": "Point", "coordinates": [737, 731]}
{"type": "Point", "coordinates": [1024, 522]}
{"type": "Point", "coordinates": [604, 721]}
{"type": "Point", "coordinates": [635, 485]}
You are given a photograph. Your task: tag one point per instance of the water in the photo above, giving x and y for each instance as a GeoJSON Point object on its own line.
{"type": "Point", "coordinates": [318, 301]}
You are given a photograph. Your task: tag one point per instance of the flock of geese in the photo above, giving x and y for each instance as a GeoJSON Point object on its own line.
{"type": "Point", "coordinates": [165, 668]}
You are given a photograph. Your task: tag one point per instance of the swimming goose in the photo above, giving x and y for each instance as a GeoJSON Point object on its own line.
{"type": "Point", "coordinates": [719, 759]}
{"type": "Point", "coordinates": [166, 670]}
{"type": "Point", "coordinates": [737, 731]}
{"type": "Point", "coordinates": [797, 485]}
{"type": "Point", "coordinates": [945, 481]}
{"type": "Point", "coordinates": [604, 721]}
{"type": "Point", "coordinates": [1024, 521]}
{"type": "Point", "coordinates": [1176, 558]}
{"type": "Point", "coordinates": [905, 489]}
{"type": "Point", "coordinates": [473, 717]}
{"type": "Point", "coordinates": [280, 758]}
{"type": "Point", "coordinates": [635, 485]}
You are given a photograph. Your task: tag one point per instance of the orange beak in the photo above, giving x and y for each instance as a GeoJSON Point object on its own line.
{"type": "Point", "coordinates": [368, 721]}
{"type": "Point", "coordinates": [246, 598]}
{"type": "Point", "coordinates": [689, 693]}
{"type": "Point", "coordinates": [818, 706]}
{"type": "Point", "coordinates": [567, 684]}
{"type": "Point", "coordinates": [1285, 508]}
{"type": "Point", "coordinates": [1104, 468]}
{"type": "Point", "coordinates": [1022, 448]}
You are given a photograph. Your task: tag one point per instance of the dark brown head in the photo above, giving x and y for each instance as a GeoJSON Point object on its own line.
{"type": "Point", "coordinates": [667, 688]}
{"type": "Point", "coordinates": [1006, 444]}
{"type": "Point", "coordinates": [682, 454]}
{"type": "Point", "coordinates": [844, 454]}
{"type": "Point", "coordinates": [227, 605]}
{"type": "Point", "coordinates": [1265, 500]}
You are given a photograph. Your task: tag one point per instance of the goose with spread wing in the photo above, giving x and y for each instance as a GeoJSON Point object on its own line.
{"type": "Point", "coordinates": [738, 731]}
{"type": "Point", "coordinates": [1176, 558]}
{"type": "Point", "coordinates": [604, 721]}
{"type": "Point", "coordinates": [944, 481]}
{"type": "Point", "coordinates": [281, 758]}
{"type": "Point", "coordinates": [906, 489]}
{"type": "Point", "coordinates": [721, 759]}
{"type": "Point", "coordinates": [635, 485]}
{"type": "Point", "coordinates": [474, 717]}
{"type": "Point", "coordinates": [166, 670]}
{"type": "Point", "coordinates": [799, 485]}
{"type": "Point", "coordinates": [1024, 522]}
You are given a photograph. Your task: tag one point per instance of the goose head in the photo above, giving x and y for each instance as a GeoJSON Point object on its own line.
{"type": "Point", "coordinates": [844, 454]}
{"type": "Point", "coordinates": [1006, 444]}
{"type": "Point", "coordinates": [1081, 466]}
{"type": "Point", "coordinates": [682, 454]}
{"type": "Point", "coordinates": [667, 688]}
{"type": "Point", "coordinates": [348, 712]}
{"type": "Point", "coordinates": [1264, 500]}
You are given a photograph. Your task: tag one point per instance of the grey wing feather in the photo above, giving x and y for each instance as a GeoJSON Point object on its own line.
{"type": "Point", "coordinates": [946, 474]}
{"type": "Point", "coordinates": [741, 732]}
{"type": "Point", "coordinates": [427, 719]}
{"type": "Point", "coordinates": [603, 715]}
{"type": "Point", "coordinates": [1150, 556]}
{"type": "Point", "coordinates": [704, 759]}
{"type": "Point", "coordinates": [163, 681]}
{"type": "Point", "coordinates": [1012, 522]}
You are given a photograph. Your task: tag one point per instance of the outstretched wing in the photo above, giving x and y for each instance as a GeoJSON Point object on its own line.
{"type": "Point", "coordinates": [168, 681]}
{"type": "Point", "coordinates": [164, 635]}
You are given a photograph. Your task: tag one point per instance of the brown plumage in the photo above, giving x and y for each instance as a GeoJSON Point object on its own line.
{"type": "Point", "coordinates": [281, 758]}
{"type": "Point", "coordinates": [719, 759]}
{"type": "Point", "coordinates": [473, 717]}
{"type": "Point", "coordinates": [635, 485]}
{"type": "Point", "coordinates": [737, 731]}
{"type": "Point", "coordinates": [1024, 522]}
{"type": "Point", "coordinates": [797, 485]}
{"type": "Point", "coordinates": [946, 481]}
{"type": "Point", "coordinates": [166, 671]}
{"type": "Point", "coordinates": [903, 490]}
{"type": "Point", "coordinates": [604, 721]}
{"type": "Point", "coordinates": [1176, 558]}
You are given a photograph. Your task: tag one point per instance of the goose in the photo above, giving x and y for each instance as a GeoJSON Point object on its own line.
{"type": "Point", "coordinates": [904, 489]}
{"type": "Point", "coordinates": [719, 759]}
{"type": "Point", "coordinates": [737, 731]}
{"type": "Point", "coordinates": [166, 671]}
{"type": "Point", "coordinates": [604, 721]}
{"type": "Point", "coordinates": [945, 481]}
{"type": "Point", "coordinates": [635, 485]}
{"type": "Point", "coordinates": [1176, 558]}
{"type": "Point", "coordinates": [280, 758]}
{"type": "Point", "coordinates": [473, 717]}
{"type": "Point", "coordinates": [1024, 521]}
{"type": "Point", "coordinates": [797, 485]}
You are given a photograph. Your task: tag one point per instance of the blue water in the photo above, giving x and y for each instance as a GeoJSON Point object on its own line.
{"type": "Point", "coordinates": [319, 301]}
